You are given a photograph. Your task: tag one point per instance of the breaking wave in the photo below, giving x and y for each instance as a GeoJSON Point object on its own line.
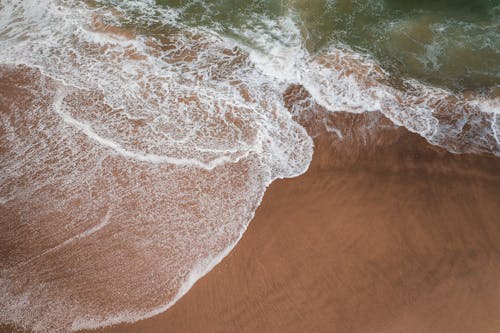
{"type": "Point", "coordinates": [136, 149]}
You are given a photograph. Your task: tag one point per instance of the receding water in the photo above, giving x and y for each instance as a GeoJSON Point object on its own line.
{"type": "Point", "coordinates": [137, 138]}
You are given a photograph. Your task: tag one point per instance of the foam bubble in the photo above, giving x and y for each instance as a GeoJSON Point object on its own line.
{"type": "Point", "coordinates": [134, 167]}
{"type": "Point", "coordinates": [132, 163]}
{"type": "Point", "coordinates": [339, 79]}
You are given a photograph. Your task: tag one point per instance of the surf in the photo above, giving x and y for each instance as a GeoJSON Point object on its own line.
{"type": "Point", "coordinates": [143, 144]}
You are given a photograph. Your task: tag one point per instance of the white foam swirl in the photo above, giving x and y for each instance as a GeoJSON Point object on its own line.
{"type": "Point", "coordinates": [160, 146]}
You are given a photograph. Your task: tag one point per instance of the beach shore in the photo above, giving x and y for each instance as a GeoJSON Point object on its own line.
{"type": "Point", "coordinates": [261, 166]}
{"type": "Point", "coordinates": [384, 233]}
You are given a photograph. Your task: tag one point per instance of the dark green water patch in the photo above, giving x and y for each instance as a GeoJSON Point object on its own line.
{"type": "Point", "coordinates": [448, 43]}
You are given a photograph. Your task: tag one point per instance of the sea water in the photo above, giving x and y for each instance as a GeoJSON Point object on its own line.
{"type": "Point", "coordinates": [138, 137]}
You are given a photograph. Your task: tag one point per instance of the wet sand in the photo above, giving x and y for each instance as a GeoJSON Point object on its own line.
{"type": "Point", "coordinates": [384, 233]}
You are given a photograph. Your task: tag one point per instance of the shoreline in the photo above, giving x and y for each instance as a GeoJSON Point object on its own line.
{"type": "Point", "coordinates": [383, 233]}
{"type": "Point", "coordinates": [403, 241]}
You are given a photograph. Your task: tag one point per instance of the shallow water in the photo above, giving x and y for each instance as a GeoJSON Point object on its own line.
{"type": "Point", "coordinates": [452, 43]}
{"type": "Point", "coordinates": [138, 138]}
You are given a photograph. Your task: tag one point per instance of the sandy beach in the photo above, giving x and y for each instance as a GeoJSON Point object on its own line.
{"type": "Point", "coordinates": [262, 166]}
{"type": "Point", "coordinates": [383, 233]}
{"type": "Point", "coordinates": [397, 236]}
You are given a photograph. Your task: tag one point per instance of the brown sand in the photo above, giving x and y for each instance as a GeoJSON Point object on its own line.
{"type": "Point", "coordinates": [384, 233]}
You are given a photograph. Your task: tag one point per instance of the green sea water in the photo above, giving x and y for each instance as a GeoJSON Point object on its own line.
{"type": "Point", "coordinates": [157, 126]}
{"type": "Point", "coordinates": [448, 43]}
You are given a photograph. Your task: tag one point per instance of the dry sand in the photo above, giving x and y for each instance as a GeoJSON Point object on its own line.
{"type": "Point", "coordinates": [384, 233]}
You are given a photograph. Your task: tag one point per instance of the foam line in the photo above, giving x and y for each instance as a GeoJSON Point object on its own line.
{"type": "Point", "coordinates": [147, 158]}
{"type": "Point", "coordinates": [81, 235]}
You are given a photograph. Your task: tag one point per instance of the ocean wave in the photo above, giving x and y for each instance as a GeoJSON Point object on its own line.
{"type": "Point", "coordinates": [136, 149]}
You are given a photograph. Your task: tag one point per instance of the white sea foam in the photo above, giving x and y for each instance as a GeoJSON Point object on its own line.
{"type": "Point", "coordinates": [81, 235]}
{"type": "Point", "coordinates": [161, 147]}
{"type": "Point", "coordinates": [342, 80]}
